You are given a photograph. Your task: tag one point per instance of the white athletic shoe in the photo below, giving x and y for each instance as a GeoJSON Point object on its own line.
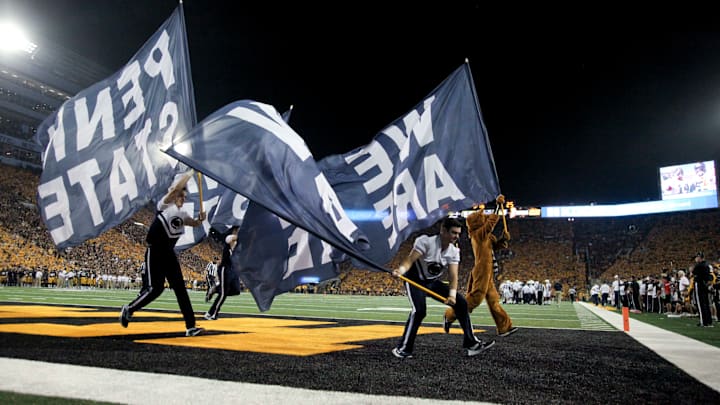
{"type": "Point", "coordinates": [194, 331]}
{"type": "Point", "coordinates": [479, 347]}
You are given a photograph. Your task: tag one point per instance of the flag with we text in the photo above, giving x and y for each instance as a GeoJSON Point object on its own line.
{"type": "Point", "coordinates": [433, 160]}
{"type": "Point", "coordinates": [102, 158]}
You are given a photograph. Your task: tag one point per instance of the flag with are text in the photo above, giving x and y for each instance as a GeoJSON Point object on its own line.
{"type": "Point", "coordinates": [102, 158]}
{"type": "Point", "coordinates": [433, 160]}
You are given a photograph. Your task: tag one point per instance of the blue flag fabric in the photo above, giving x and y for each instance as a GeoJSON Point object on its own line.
{"type": "Point", "coordinates": [273, 256]}
{"type": "Point", "coordinates": [434, 160]}
{"type": "Point", "coordinates": [222, 206]}
{"type": "Point", "coordinates": [230, 211]}
{"type": "Point", "coordinates": [102, 159]}
{"type": "Point", "coordinates": [248, 147]}
{"type": "Point", "coordinates": [232, 206]}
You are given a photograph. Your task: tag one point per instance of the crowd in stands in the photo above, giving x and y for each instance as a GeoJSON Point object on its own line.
{"type": "Point", "coordinates": [25, 244]}
{"type": "Point", "coordinates": [577, 253]}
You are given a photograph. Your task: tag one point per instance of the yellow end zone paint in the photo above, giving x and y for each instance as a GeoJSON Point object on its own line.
{"type": "Point", "coordinates": [49, 311]}
{"type": "Point", "coordinates": [251, 334]}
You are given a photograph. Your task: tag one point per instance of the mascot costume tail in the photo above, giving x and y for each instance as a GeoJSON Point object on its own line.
{"type": "Point", "coordinates": [481, 283]}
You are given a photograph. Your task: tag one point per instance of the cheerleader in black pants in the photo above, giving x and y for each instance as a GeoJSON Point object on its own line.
{"type": "Point", "coordinates": [160, 260]}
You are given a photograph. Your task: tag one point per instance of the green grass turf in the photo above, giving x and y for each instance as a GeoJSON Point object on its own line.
{"type": "Point", "coordinates": [685, 326]}
{"type": "Point", "coordinates": [358, 307]}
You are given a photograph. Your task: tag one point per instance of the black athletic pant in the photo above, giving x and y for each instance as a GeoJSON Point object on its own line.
{"type": "Point", "coordinates": [161, 264]}
{"type": "Point", "coordinates": [703, 302]}
{"type": "Point", "coordinates": [419, 310]}
{"type": "Point", "coordinates": [222, 292]}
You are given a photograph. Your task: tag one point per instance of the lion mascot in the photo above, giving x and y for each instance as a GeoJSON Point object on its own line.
{"type": "Point", "coordinates": [481, 284]}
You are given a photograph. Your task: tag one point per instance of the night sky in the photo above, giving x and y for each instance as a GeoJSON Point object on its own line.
{"type": "Point", "coordinates": [576, 112]}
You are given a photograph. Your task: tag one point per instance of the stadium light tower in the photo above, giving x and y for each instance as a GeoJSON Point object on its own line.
{"type": "Point", "coordinates": [12, 38]}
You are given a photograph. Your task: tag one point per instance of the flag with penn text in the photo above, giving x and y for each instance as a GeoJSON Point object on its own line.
{"type": "Point", "coordinates": [102, 158]}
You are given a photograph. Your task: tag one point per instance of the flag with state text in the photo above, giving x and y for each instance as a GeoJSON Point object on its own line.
{"type": "Point", "coordinates": [102, 158]}
{"type": "Point", "coordinates": [433, 160]}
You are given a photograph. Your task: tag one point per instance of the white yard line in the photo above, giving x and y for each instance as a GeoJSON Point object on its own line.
{"type": "Point", "coordinates": [132, 387]}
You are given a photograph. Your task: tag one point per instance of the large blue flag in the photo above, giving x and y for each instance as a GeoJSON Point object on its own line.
{"type": "Point", "coordinates": [433, 160]}
{"type": "Point", "coordinates": [250, 149]}
{"type": "Point", "coordinates": [272, 256]}
{"type": "Point", "coordinates": [102, 157]}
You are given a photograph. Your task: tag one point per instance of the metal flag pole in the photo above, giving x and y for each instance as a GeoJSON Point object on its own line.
{"type": "Point", "coordinates": [423, 288]}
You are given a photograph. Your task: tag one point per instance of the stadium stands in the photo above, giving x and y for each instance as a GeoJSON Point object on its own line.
{"type": "Point", "coordinates": [574, 252]}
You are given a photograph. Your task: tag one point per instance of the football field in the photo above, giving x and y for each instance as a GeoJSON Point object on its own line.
{"type": "Point", "coordinates": [357, 307]}
{"type": "Point", "coordinates": [330, 346]}
{"type": "Point", "coordinates": [346, 307]}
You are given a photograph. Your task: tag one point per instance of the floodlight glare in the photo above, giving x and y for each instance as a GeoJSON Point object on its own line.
{"type": "Point", "coordinates": [13, 39]}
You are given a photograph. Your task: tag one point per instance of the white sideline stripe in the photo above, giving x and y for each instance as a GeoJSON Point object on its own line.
{"type": "Point", "coordinates": [696, 358]}
{"type": "Point", "coordinates": [132, 387]}
{"type": "Point", "coordinates": [590, 321]}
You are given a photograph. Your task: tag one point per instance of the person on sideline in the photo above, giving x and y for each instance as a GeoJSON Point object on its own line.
{"type": "Point", "coordinates": [594, 292]}
{"type": "Point", "coordinates": [616, 286]}
{"type": "Point", "coordinates": [430, 258]}
{"type": "Point", "coordinates": [558, 292]}
{"type": "Point", "coordinates": [572, 292]}
{"type": "Point", "coordinates": [160, 259]}
{"type": "Point", "coordinates": [211, 278]}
